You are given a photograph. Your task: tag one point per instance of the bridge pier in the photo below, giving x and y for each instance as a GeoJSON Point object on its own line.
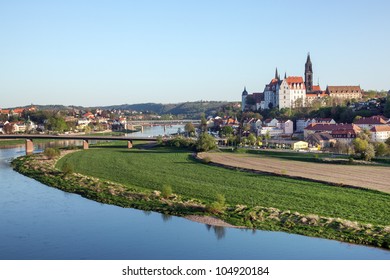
{"type": "Point", "coordinates": [29, 146]}
{"type": "Point", "coordinates": [85, 144]}
{"type": "Point", "coordinates": [129, 144]}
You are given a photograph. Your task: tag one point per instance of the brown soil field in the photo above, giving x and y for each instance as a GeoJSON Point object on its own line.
{"type": "Point", "coordinates": [370, 177]}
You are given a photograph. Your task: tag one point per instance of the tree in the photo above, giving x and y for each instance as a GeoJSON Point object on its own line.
{"type": "Point", "coordinates": [57, 123]}
{"type": "Point", "coordinates": [381, 149]}
{"type": "Point", "coordinates": [203, 123]}
{"type": "Point", "coordinates": [227, 131]}
{"type": "Point", "coordinates": [388, 141]}
{"type": "Point", "coordinates": [267, 137]}
{"type": "Point", "coordinates": [252, 139]}
{"type": "Point", "coordinates": [386, 110]}
{"type": "Point", "coordinates": [205, 143]}
{"type": "Point", "coordinates": [369, 153]}
{"type": "Point", "coordinates": [189, 128]}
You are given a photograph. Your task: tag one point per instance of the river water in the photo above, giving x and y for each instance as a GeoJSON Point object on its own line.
{"type": "Point", "coordinates": [39, 222]}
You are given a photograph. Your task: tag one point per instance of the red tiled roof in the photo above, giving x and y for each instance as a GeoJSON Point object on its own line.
{"type": "Point", "coordinates": [371, 120]}
{"type": "Point", "coordinates": [343, 132]}
{"type": "Point", "coordinates": [331, 127]}
{"type": "Point", "coordinates": [316, 88]}
{"type": "Point", "coordinates": [344, 89]}
{"type": "Point", "coordinates": [380, 128]}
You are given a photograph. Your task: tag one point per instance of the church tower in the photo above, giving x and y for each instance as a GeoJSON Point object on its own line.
{"type": "Point", "coordinates": [243, 99]}
{"type": "Point", "coordinates": [308, 74]}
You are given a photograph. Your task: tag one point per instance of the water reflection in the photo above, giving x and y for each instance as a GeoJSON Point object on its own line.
{"type": "Point", "coordinates": [166, 217]}
{"type": "Point", "coordinates": [220, 232]}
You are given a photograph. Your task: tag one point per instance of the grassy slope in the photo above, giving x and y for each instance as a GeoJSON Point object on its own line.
{"type": "Point", "coordinates": [151, 169]}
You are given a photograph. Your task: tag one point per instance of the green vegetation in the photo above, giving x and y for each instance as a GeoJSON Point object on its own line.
{"type": "Point", "coordinates": [166, 191]}
{"type": "Point", "coordinates": [205, 143]}
{"type": "Point", "coordinates": [144, 170]}
{"type": "Point", "coordinates": [144, 179]}
{"type": "Point", "coordinates": [51, 152]}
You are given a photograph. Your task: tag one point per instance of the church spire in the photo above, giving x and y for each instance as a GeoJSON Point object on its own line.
{"type": "Point", "coordinates": [276, 73]}
{"type": "Point", "coordinates": [285, 75]}
{"type": "Point", "coordinates": [308, 74]}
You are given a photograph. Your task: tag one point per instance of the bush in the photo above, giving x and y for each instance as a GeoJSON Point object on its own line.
{"type": "Point", "coordinates": [51, 152]}
{"type": "Point", "coordinates": [67, 169]}
{"type": "Point", "coordinates": [166, 191]}
{"type": "Point", "coordinates": [217, 206]}
{"type": "Point", "coordinates": [205, 143]}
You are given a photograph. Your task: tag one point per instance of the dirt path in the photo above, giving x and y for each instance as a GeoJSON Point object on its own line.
{"type": "Point", "coordinates": [371, 177]}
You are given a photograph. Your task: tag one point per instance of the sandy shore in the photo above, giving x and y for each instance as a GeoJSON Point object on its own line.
{"type": "Point", "coordinates": [212, 221]}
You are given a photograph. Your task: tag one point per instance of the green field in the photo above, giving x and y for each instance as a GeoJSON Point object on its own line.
{"type": "Point", "coordinates": [151, 169]}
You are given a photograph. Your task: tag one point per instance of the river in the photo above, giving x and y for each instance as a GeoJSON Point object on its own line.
{"type": "Point", "coordinates": [39, 222]}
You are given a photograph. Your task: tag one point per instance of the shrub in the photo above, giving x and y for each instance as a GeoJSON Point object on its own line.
{"type": "Point", "coordinates": [217, 206]}
{"type": "Point", "coordinates": [166, 191]}
{"type": "Point", "coordinates": [51, 152]}
{"type": "Point", "coordinates": [67, 169]}
{"type": "Point", "coordinates": [205, 143]}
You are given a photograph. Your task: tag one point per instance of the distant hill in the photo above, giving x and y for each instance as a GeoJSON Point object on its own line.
{"type": "Point", "coordinates": [186, 108]}
{"type": "Point", "coordinates": [190, 109]}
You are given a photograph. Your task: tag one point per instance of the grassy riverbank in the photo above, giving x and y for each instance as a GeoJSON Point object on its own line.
{"type": "Point", "coordinates": [134, 178]}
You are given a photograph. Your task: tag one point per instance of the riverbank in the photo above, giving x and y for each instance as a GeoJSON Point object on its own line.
{"type": "Point", "coordinates": [254, 216]}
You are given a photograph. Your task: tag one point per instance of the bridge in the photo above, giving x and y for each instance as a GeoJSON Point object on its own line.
{"type": "Point", "coordinates": [85, 138]}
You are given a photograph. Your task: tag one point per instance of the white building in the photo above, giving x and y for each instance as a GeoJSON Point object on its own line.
{"type": "Point", "coordinates": [302, 123]}
{"type": "Point", "coordinates": [292, 93]}
{"type": "Point", "coordinates": [270, 94]}
{"type": "Point", "coordinates": [380, 133]}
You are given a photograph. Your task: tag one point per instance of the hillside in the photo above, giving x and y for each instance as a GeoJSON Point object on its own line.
{"type": "Point", "coordinates": [192, 109]}
{"type": "Point", "coordinates": [186, 108]}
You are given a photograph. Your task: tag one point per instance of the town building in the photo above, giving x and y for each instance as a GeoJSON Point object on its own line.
{"type": "Point", "coordinates": [321, 140]}
{"type": "Point", "coordinates": [302, 123]}
{"type": "Point", "coordinates": [370, 122]}
{"type": "Point", "coordinates": [296, 91]}
{"type": "Point", "coordinates": [380, 133]}
{"type": "Point", "coordinates": [292, 93]}
{"type": "Point", "coordinates": [344, 92]}
{"type": "Point", "coordinates": [338, 131]}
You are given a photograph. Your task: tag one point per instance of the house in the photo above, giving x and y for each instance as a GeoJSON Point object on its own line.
{"type": "Point", "coordinates": [275, 127]}
{"type": "Point", "coordinates": [271, 122]}
{"type": "Point", "coordinates": [380, 133]}
{"type": "Point", "coordinates": [321, 140]}
{"type": "Point", "coordinates": [302, 123]}
{"type": "Point", "coordinates": [329, 128]}
{"type": "Point", "coordinates": [286, 126]}
{"type": "Point", "coordinates": [370, 122]}
{"type": "Point", "coordinates": [19, 126]}
{"type": "Point", "coordinates": [344, 135]}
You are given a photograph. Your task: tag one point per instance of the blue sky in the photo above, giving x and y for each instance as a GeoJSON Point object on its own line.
{"type": "Point", "coordinates": [114, 52]}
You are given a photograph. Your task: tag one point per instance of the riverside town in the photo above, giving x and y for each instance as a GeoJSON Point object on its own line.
{"type": "Point", "coordinates": [294, 158]}
{"type": "Point", "coordinates": [194, 139]}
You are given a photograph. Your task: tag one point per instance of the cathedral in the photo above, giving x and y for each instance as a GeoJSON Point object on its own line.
{"type": "Point", "coordinates": [295, 91]}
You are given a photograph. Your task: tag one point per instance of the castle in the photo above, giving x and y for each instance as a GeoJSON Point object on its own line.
{"type": "Point", "coordinates": [293, 91]}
